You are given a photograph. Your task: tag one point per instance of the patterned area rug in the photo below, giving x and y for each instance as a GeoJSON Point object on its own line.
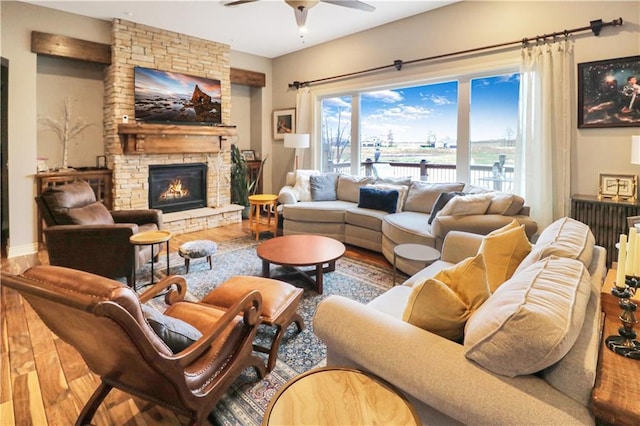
{"type": "Point", "coordinates": [247, 399]}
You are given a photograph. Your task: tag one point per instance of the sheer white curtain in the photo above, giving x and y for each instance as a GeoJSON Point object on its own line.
{"type": "Point", "coordinates": [303, 122]}
{"type": "Point", "coordinates": [544, 130]}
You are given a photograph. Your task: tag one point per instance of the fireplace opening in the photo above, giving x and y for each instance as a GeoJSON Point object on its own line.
{"type": "Point", "coordinates": [177, 187]}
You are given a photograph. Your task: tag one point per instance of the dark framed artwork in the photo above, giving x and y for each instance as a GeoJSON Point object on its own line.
{"type": "Point", "coordinates": [609, 93]}
{"type": "Point", "coordinates": [284, 121]}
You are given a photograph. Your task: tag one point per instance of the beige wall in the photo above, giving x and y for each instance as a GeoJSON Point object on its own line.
{"type": "Point", "coordinates": [464, 26]}
{"type": "Point", "coordinates": [83, 83]}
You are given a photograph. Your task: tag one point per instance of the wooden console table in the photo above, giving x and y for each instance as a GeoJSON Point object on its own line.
{"type": "Point", "coordinates": [100, 181]}
{"type": "Point", "coordinates": [616, 394]}
{"type": "Point", "coordinates": [606, 218]}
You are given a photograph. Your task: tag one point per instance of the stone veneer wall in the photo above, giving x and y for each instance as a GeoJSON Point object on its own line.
{"type": "Point", "coordinates": [135, 44]}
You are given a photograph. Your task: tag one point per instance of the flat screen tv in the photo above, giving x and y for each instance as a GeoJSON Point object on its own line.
{"type": "Point", "coordinates": [170, 97]}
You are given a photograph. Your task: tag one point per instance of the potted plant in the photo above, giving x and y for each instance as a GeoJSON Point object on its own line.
{"type": "Point", "coordinates": [241, 185]}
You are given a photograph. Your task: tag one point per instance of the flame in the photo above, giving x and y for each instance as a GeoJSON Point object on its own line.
{"type": "Point", "coordinates": [175, 191]}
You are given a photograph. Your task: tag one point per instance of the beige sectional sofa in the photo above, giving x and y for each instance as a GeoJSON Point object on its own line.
{"type": "Point", "coordinates": [529, 351]}
{"type": "Point", "coordinates": [340, 214]}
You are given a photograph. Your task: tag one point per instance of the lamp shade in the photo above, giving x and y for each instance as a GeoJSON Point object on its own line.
{"type": "Point", "coordinates": [635, 149]}
{"type": "Point", "coordinates": [296, 140]}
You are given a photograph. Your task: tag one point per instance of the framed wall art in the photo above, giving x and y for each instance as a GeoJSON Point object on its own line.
{"type": "Point", "coordinates": [248, 154]}
{"type": "Point", "coordinates": [609, 93]}
{"type": "Point", "coordinates": [284, 121]}
{"type": "Point", "coordinates": [618, 187]}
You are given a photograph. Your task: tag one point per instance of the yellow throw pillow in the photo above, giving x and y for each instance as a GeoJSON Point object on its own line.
{"type": "Point", "coordinates": [503, 250]}
{"type": "Point", "coordinates": [444, 303]}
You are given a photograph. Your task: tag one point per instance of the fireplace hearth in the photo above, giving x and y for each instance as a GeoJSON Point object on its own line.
{"type": "Point", "coordinates": [177, 187]}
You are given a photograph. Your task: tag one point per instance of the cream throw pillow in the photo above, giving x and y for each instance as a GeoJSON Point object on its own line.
{"type": "Point", "coordinates": [302, 188]}
{"type": "Point", "coordinates": [444, 303]}
{"type": "Point", "coordinates": [463, 205]}
{"type": "Point", "coordinates": [503, 250]}
{"type": "Point", "coordinates": [532, 320]}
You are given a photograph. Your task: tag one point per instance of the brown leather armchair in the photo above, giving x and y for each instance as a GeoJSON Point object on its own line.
{"type": "Point", "coordinates": [82, 234]}
{"type": "Point", "coordinates": [103, 319]}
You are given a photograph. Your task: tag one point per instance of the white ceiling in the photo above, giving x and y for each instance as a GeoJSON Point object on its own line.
{"type": "Point", "coordinates": [265, 28]}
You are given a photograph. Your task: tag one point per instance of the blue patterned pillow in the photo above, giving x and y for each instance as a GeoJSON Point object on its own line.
{"type": "Point", "coordinates": [378, 199]}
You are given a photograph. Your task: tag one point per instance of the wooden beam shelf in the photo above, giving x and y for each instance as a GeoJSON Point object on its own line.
{"type": "Point", "coordinates": [144, 138]}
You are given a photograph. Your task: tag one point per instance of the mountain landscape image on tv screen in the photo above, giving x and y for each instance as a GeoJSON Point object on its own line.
{"type": "Point", "coordinates": [169, 97]}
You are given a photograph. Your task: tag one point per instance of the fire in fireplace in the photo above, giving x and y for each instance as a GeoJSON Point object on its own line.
{"type": "Point", "coordinates": [177, 187]}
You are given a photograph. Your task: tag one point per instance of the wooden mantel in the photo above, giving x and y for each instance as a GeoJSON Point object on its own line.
{"type": "Point", "coordinates": [144, 138]}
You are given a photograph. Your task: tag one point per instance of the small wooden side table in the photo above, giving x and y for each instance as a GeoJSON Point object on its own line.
{"type": "Point", "coordinates": [339, 396]}
{"type": "Point", "coordinates": [615, 398]}
{"type": "Point", "coordinates": [149, 238]}
{"type": "Point", "coordinates": [258, 224]}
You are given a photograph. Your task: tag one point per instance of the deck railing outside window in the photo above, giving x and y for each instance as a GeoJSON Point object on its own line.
{"type": "Point", "coordinates": [497, 177]}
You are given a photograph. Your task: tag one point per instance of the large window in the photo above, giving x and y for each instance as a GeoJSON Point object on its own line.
{"type": "Point", "coordinates": [458, 130]}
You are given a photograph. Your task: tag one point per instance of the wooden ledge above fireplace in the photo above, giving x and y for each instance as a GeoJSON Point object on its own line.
{"type": "Point", "coordinates": [144, 138]}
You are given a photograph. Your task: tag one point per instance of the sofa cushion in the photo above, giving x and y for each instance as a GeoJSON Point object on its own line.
{"type": "Point", "coordinates": [441, 201]}
{"type": "Point", "coordinates": [503, 250]}
{"type": "Point", "coordinates": [565, 237]}
{"type": "Point", "coordinates": [378, 199]}
{"type": "Point", "coordinates": [349, 187]}
{"type": "Point", "coordinates": [324, 187]}
{"type": "Point", "coordinates": [444, 303]}
{"type": "Point", "coordinates": [91, 214]}
{"type": "Point", "coordinates": [532, 320]}
{"type": "Point", "coordinates": [465, 205]}
{"type": "Point", "coordinates": [505, 204]}
{"type": "Point", "coordinates": [303, 187]}
{"type": "Point", "coordinates": [317, 211]}
{"type": "Point", "coordinates": [365, 218]}
{"type": "Point", "coordinates": [176, 334]}
{"type": "Point", "coordinates": [422, 195]}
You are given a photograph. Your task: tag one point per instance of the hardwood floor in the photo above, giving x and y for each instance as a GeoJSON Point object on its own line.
{"type": "Point", "coordinates": [43, 380]}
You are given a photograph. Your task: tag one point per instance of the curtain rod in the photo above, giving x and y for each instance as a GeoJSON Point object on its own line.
{"type": "Point", "coordinates": [594, 26]}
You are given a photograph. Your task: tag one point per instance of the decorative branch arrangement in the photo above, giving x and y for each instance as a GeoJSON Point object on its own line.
{"type": "Point", "coordinates": [65, 129]}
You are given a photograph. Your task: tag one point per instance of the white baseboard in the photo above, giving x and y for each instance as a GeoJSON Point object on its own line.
{"type": "Point", "coordinates": [23, 250]}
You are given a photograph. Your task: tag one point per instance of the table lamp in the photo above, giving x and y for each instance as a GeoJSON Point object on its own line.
{"type": "Point", "coordinates": [296, 140]}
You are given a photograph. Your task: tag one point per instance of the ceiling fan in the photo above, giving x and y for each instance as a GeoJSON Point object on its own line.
{"type": "Point", "coordinates": [300, 8]}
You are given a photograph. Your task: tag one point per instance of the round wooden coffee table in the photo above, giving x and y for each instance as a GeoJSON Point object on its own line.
{"type": "Point", "coordinates": [301, 250]}
{"type": "Point", "coordinates": [338, 396]}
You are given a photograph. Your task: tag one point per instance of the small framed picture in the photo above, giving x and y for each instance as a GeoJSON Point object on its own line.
{"type": "Point", "coordinates": [618, 187]}
{"type": "Point", "coordinates": [248, 154]}
{"type": "Point", "coordinates": [284, 121]}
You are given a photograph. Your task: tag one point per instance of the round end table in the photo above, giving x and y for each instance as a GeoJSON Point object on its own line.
{"type": "Point", "coordinates": [414, 252]}
{"type": "Point", "coordinates": [258, 224]}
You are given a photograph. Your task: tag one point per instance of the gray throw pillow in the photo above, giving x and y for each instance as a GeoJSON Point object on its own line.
{"type": "Point", "coordinates": [176, 334]}
{"type": "Point", "coordinates": [442, 201]}
{"type": "Point", "coordinates": [324, 187]}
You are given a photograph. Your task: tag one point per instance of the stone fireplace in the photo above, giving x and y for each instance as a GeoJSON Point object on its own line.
{"type": "Point", "coordinates": [130, 156]}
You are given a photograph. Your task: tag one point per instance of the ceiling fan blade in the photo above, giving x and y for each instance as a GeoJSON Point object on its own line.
{"type": "Point", "coordinates": [301, 17]}
{"type": "Point", "coordinates": [353, 4]}
{"type": "Point", "coordinates": [239, 2]}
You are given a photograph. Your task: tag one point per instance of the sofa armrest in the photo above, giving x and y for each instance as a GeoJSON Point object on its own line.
{"type": "Point", "coordinates": [139, 217]}
{"type": "Point", "coordinates": [287, 195]}
{"type": "Point", "coordinates": [435, 371]}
